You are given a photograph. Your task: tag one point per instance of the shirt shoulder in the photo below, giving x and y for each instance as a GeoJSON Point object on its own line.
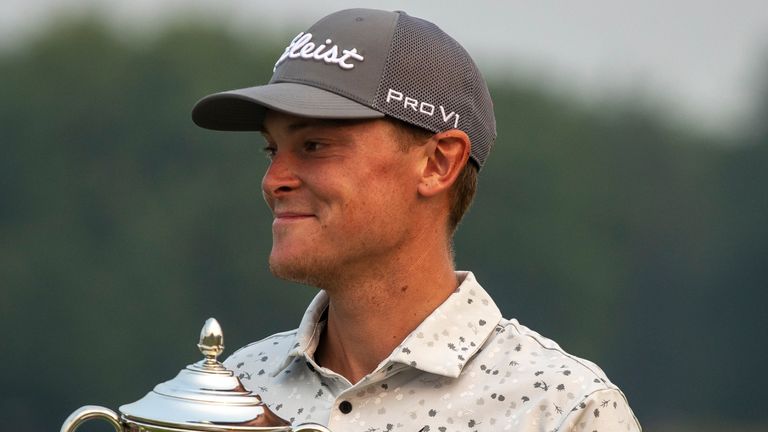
{"type": "Point", "coordinates": [565, 391]}
{"type": "Point", "coordinates": [542, 351]}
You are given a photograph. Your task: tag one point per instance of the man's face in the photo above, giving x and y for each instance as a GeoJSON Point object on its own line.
{"type": "Point", "coordinates": [341, 194]}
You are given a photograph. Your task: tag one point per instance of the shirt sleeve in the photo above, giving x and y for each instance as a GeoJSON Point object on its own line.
{"type": "Point", "coordinates": [604, 410]}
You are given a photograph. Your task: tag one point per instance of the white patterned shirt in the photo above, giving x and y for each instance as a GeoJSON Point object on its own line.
{"type": "Point", "coordinates": [464, 368]}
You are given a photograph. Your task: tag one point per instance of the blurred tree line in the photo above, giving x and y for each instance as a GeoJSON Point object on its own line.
{"type": "Point", "coordinates": [630, 240]}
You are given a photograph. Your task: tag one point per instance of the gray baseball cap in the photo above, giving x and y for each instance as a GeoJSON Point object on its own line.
{"type": "Point", "coordinates": [364, 63]}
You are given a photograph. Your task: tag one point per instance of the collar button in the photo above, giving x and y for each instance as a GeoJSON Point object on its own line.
{"type": "Point", "coordinates": [345, 407]}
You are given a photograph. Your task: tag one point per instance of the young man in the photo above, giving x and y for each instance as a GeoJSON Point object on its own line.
{"type": "Point", "coordinates": [377, 124]}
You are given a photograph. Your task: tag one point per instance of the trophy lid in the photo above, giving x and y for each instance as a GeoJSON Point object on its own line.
{"type": "Point", "coordinates": [204, 396]}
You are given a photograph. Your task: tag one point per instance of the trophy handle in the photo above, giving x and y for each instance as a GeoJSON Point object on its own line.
{"type": "Point", "coordinates": [310, 427]}
{"type": "Point", "coordinates": [88, 412]}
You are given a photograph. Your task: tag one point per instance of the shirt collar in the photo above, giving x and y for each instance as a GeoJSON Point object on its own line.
{"type": "Point", "coordinates": [308, 333]}
{"type": "Point", "coordinates": [453, 333]}
{"type": "Point", "coordinates": [442, 344]}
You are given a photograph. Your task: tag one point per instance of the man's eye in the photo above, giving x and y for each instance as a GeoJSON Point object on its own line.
{"type": "Point", "coordinates": [269, 152]}
{"type": "Point", "coordinates": [312, 146]}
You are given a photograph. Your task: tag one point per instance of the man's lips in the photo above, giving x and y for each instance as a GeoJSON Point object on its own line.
{"type": "Point", "coordinates": [285, 216]}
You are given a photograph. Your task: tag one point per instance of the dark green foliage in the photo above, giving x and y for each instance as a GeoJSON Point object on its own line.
{"type": "Point", "coordinates": [124, 226]}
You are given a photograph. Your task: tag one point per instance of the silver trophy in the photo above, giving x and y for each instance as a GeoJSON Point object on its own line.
{"type": "Point", "coordinates": [204, 396]}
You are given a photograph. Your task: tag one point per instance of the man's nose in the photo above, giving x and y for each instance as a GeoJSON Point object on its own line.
{"type": "Point", "coordinates": [281, 176]}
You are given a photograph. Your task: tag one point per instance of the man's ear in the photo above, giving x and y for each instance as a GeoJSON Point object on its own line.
{"type": "Point", "coordinates": [448, 153]}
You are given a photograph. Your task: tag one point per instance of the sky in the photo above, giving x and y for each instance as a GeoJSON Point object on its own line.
{"type": "Point", "coordinates": [698, 60]}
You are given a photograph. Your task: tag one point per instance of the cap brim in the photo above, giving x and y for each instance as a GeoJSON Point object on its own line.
{"type": "Point", "coordinates": [244, 109]}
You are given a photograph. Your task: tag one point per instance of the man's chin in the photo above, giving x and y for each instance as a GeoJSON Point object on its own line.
{"type": "Point", "coordinates": [304, 271]}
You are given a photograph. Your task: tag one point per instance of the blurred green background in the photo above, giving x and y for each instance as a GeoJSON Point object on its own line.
{"type": "Point", "coordinates": [634, 241]}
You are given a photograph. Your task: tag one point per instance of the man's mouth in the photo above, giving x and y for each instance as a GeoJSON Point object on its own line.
{"type": "Point", "coordinates": [289, 216]}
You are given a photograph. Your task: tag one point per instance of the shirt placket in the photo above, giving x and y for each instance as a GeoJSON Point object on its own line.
{"type": "Point", "coordinates": [352, 407]}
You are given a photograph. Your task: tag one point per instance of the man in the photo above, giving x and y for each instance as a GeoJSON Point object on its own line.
{"type": "Point", "coordinates": [376, 124]}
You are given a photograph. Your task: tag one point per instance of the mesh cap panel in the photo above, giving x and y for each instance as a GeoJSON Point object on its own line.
{"type": "Point", "coordinates": [430, 81]}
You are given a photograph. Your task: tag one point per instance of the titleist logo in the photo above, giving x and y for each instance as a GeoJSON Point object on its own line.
{"type": "Point", "coordinates": [302, 47]}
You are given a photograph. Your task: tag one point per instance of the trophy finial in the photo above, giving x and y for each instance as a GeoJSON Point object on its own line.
{"type": "Point", "coordinates": [211, 341]}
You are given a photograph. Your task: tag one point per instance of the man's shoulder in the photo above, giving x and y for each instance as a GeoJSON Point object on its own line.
{"type": "Point", "coordinates": [524, 369]}
{"type": "Point", "coordinates": [540, 357]}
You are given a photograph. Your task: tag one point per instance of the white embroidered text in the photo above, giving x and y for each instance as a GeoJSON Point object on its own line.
{"type": "Point", "coordinates": [422, 107]}
{"type": "Point", "coordinates": [302, 47]}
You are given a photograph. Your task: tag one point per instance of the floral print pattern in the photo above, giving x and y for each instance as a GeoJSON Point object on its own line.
{"type": "Point", "coordinates": [465, 368]}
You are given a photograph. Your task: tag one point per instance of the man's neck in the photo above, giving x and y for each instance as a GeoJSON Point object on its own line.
{"type": "Point", "coordinates": [369, 317]}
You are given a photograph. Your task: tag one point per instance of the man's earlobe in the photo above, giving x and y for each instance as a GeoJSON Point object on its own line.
{"type": "Point", "coordinates": [448, 153]}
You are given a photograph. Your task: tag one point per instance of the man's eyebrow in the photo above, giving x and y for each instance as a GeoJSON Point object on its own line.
{"type": "Point", "coordinates": [292, 127]}
{"type": "Point", "coordinates": [301, 124]}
